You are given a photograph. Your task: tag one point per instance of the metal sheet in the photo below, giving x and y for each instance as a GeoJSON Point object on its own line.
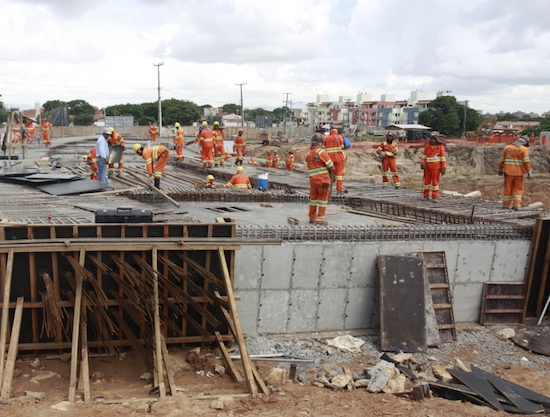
{"type": "Point", "coordinates": [480, 385]}
{"type": "Point", "coordinates": [74, 187]}
{"type": "Point", "coordinates": [402, 304]}
{"type": "Point", "coordinates": [115, 154]}
{"type": "Point", "coordinates": [58, 176]}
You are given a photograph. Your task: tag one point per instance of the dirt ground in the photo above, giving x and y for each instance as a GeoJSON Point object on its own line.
{"type": "Point", "coordinates": [469, 167]}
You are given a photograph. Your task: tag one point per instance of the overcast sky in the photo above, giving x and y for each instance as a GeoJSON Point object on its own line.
{"type": "Point", "coordinates": [493, 53]}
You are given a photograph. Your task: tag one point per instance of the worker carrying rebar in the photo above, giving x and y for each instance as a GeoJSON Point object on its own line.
{"type": "Point", "coordinates": [514, 163]}
{"type": "Point", "coordinates": [92, 160]}
{"type": "Point", "coordinates": [388, 151]}
{"type": "Point", "coordinates": [153, 132]}
{"type": "Point", "coordinates": [239, 181]}
{"type": "Point", "coordinates": [334, 145]}
{"type": "Point", "coordinates": [45, 127]}
{"type": "Point", "coordinates": [219, 149]}
{"type": "Point", "coordinates": [434, 164]}
{"type": "Point", "coordinates": [178, 141]}
{"type": "Point", "coordinates": [156, 159]}
{"type": "Point", "coordinates": [116, 148]}
{"type": "Point", "coordinates": [318, 165]}
{"type": "Point", "coordinates": [206, 143]}
{"type": "Point", "coordinates": [290, 160]}
{"type": "Point", "coordinates": [239, 146]}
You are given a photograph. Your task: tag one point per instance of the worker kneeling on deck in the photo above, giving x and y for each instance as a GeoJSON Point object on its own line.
{"type": "Point", "coordinates": [210, 182]}
{"type": "Point", "coordinates": [156, 159]}
{"type": "Point", "coordinates": [513, 164]}
{"type": "Point", "coordinates": [239, 181]}
{"type": "Point", "coordinates": [318, 165]}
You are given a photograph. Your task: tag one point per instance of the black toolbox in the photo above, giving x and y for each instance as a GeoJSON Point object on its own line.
{"type": "Point", "coordinates": [124, 215]}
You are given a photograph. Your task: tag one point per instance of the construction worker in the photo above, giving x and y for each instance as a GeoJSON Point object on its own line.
{"type": "Point", "coordinates": [290, 160]}
{"type": "Point", "coordinates": [239, 181]}
{"type": "Point", "coordinates": [388, 151]}
{"type": "Point", "coordinates": [514, 162]}
{"type": "Point", "coordinates": [16, 133]}
{"type": "Point", "coordinates": [318, 165]}
{"type": "Point", "coordinates": [116, 141]}
{"type": "Point", "coordinates": [434, 164]}
{"type": "Point", "coordinates": [92, 160]}
{"type": "Point", "coordinates": [334, 145]}
{"type": "Point", "coordinates": [219, 149]}
{"type": "Point", "coordinates": [269, 160]}
{"type": "Point", "coordinates": [210, 182]}
{"type": "Point", "coordinates": [206, 143]}
{"type": "Point", "coordinates": [275, 163]}
{"type": "Point", "coordinates": [543, 141]}
{"type": "Point", "coordinates": [252, 161]}
{"type": "Point", "coordinates": [29, 126]}
{"type": "Point", "coordinates": [45, 126]}
{"type": "Point", "coordinates": [178, 141]}
{"type": "Point", "coordinates": [227, 155]}
{"type": "Point", "coordinates": [153, 132]}
{"type": "Point", "coordinates": [156, 159]}
{"type": "Point", "coordinates": [102, 154]}
{"type": "Point", "coordinates": [239, 146]}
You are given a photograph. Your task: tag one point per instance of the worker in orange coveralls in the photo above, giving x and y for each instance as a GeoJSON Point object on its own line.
{"type": "Point", "coordinates": [29, 127]}
{"type": "Point", "coordinates": [210, 182]}
{"type": "Point", "coordinates": [219, 149]}
{"type": "Point", "coordinates": [178, 141]}
{"type": "Point", "coordinates": [543, 141]}
{"type": "Point", "coordinates": [434, 164]}
{"type": "Point", "coordinates": [156, 159]}
{"type": "Point", "coordinates": [514, 162]}
{"type": "Point", "coordinates": [16, 131]}
{"type": "Point", "coordinates": [388, 151]}
{"type": "Point", "coordinates": [45, 126]}
{"type": "Point", "coordinates": [153, 132]}
{"type": "Point", "coordinates": [252, 161]}
{"type": "Point", "coordinates": [275, 163]}
{"type": "Point", "coordinates": [115, 140]}
{"type": "Point", "coordinates": [91, 158]}
{"type": "Point", "coordinates": [206, 142]}
{"type": "Point", "coordinates": [239, 146]}
{"type": "Point", "coordinates": [269, 160]}
{"type": "Point", "coordinates": [239, 181]}
{"type": "Point", "coordinates": [290, 160]}
{"type": "Point", "coordinates": [334, 145]}
{"type": "Point", "coordinates": [318, 165]}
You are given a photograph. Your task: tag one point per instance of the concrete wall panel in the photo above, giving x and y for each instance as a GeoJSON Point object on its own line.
{"type": "Point", "coordinates": [248, 267]}
{"type": "Point", "coordinates": [467, 302]}
{"type": "Point", "coordinates": [511, 261]}
{"type": "Point", "coordinates": [364, 267]}
{"type": "Point", "coordinates": [277, 267]}
{"type": "Point", "coordinates": [303, 310]}
{"type": "Point", "coordinates": [474, 262]}
{"type": "Point", "coordinates": [247, 308]}
{"type": "Point", "coordinates": [359, 309]}
{"type": "Point", "coordinates": [398, 248]}
{"type": "Point", "coordinates": [335, 266]}
{"type": "Point", "coordinates": [273, 311]}
{"type": "Point", "coordinates": [331, 312]}
{"type": "Point", "coordinates": [307, 266]}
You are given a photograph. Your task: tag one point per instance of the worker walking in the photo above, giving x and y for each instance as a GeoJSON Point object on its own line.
{"type": "Point", "coordinates": [46, 126]}
{"type": "Point", "coordinates": [319, 164]}
{"type": "Point", "coordinates": [117, 148]}
{"type": "Point", "coordinates": [388, 151]}
{"type": "Point", "coordinates": [153, 132]}
{"type": "Point", "coordinates": [239, 181]}
{"type": "Point", "coordinates": [219, 149]}
{"type": "Point", "coordinates": [156, 159]}
{"type": "Point", "coordinates": [178, 141]}
{"type": "Point", "coordinates": [513, 164]}
{"type": "Point", "coordinates": [334, 145]}
{"type": "Point", "coordinates": [269, 160]}
{"type": "Point", "coordinates": [29, 127]}
{"type": "Point", "coordinates": [206, 143]}
{"type": "Point", "coordinates": [92, 160]}
{"type": "Point", "coordinates": [434, 164]}
{"type": "Point", "coordinates": [239, 146]}
{"type": "Point", "coordinates": [102, 154]}
{"type": "Point", "coordinates": [290, 160]}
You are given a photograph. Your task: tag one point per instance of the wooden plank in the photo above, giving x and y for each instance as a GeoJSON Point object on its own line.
{"type": "Point", "coordinates": [155, 189]}
{"type": "Point", "coordinates": [247, 364]}
{"type": "Point", "coordinates": [166, 357]}
{"type": "Point", "coordinates": [5, 311]}
{"type": "Point", "coordinates": [84, 363]}
{"type": "Point", "coordinates": [76, 331]}
{"type": "Point", "coordinates": [258, 378]}
{"type": "Point", "coordinates": [535, 242]}
{"type": "Point", "coordinates": [12, 352]}
{"type": "Point", "coordinates": [231, 366]}
{"type": "Point", "coordinates": [442, 306]}
{"type": "Point", "coordinates": [543, 279]}
{"type": "Point", "coordinates": [439, 286]}
{"type": "Point", "coordinates": [480, 385]}
{"type": "Point", "coordinates": [158, 344]}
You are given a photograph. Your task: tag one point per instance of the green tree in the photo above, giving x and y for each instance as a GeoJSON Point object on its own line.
{"type": "Point", "coordinates": [231, 108]}
{"type": "Point", "coordinates": [473, 118]}
{"type": "Point", "coordinates": [182, 111]}
{"type": "Point", "coordinates": [83, 120]}
{"type": "Point", "coordinates": [251, 114]}
{"type": "Point", "coordinates": [80, 108]}
{"type": "Point", "coordinates": [52, 104]}
{"type": "Point", "coordinates": [3, 111]}
{"type": "Point", "coordinates": [443, 115]}
{"type": "Point", "coordinates": [508, 117]}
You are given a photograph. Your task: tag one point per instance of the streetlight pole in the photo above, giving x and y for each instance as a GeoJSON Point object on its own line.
{"type": "Point", "coordinates": [160, 105]}
{"type": "Point", "coordinates": [286, 106]}
{"type": "Point", "coordinates": [242, 107]}
{"type": "Point", "coordinates": [464, 127]}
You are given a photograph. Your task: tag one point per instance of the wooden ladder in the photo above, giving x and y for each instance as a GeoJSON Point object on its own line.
{"type": "Point", "coordinates": [435, 264]}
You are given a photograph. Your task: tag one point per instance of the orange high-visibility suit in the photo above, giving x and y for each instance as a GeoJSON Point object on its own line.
{"type": "Point", "coordinates": [206, 142]}
{"type": "Point", "coordinates": [318, 165]}
{"type": "Point", "coordinates": [116, 139]}
{"type": "Point", "coordinates": [514, 162]}
{"type": "Point", "coordinates": [92, 159]}
{"type": "Point", "coordinates": [275, 163]}
{"type": "Point", "coordinates": [543, 141]}
{"type": "Point", "coordinates": [388, 163]}
{"type": "Point", "coordinates": [178, 141]}
{"type": "Point", "coordinates": [239, 146]}
{"type": "Point", "coordinates": [16, 133]}
{"type": "Point", "coordinates": [290, 161]}
{"type": "Point", "coordinates": [269, 160]}
{"type": "Point", "coordinates": [153, 133]}
{"type": "Point", "coordinates": [219, 149]}
{"type": "Point", "coordinates": [156, 159]}
{"type": "Point", "coordinates": [345, 163]}
{"type": "Point", "coordinates": [334, 145]}
{"type": "Point", "coordinates": [434, 160]}
{"type": "Point", "coordinates": [29, 126]}
{"type": "Point", "coordinates": [46, 126]}
{"type": "Point", "coordinates": [252, 161]}
{"type": "Point", "coordinates": [239, 181]}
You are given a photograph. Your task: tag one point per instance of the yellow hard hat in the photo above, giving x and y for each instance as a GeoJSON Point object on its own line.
{"type": "Point", "coordinates": [111, 129]}
{"type": "Point", "coordinates": [136, 147]}
{"type": "Point", "coordinates": [85, 157]}
{"type": "Point", "coordinates": [205, 123]}
{"type": "Point", "coordinates": [210, 177]}
{"type": "Point", "coordinates": [216, 123]}
{"type": "Point", "coordinates": [177, 124]}
{"type": "Point", "coordinates": [240, 169]}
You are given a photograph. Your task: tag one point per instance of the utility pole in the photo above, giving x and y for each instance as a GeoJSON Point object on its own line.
{"type": "Point", "coordinates": [286, 106]}
{"type": "Point", "coordinates": [160, 106]}
{"type": "Point", "coordinates": [242, 107]}
{"type": "Point", "coordinates": [464, 128]}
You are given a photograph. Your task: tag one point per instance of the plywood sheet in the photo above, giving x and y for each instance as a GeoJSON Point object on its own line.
{"type": "Point", "coordinates": [74, 187]}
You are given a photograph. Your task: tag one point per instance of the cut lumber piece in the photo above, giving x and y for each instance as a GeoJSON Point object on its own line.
{"type": "Point", "coordinates": [231, 366]}
{"type": "Point", "coordinates": [5, 311]}
{"type": "Point", "coordinates": [84, 362]}
{"type": "Point", "coordinates": [12, 351]}
{"type": "Point", "coordinates": [155, 189]}
{"type": "Point", "coordinates": [171, 382]}
{"type": "Point", "coordinates": [158, 344]}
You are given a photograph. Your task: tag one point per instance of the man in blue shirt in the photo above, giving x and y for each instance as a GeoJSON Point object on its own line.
{"type": "Point", "coordinates": [102, 155]}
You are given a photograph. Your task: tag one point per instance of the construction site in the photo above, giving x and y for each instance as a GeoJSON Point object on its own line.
{"type": "Point", "coordinates": [222, 301]}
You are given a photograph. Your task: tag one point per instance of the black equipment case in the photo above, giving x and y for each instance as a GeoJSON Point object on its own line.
{"type": "Point", "coordinates": [124, 215]}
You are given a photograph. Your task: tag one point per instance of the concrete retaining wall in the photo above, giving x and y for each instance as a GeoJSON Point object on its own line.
{"type": "Point", "coordinates": [310, 287]}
